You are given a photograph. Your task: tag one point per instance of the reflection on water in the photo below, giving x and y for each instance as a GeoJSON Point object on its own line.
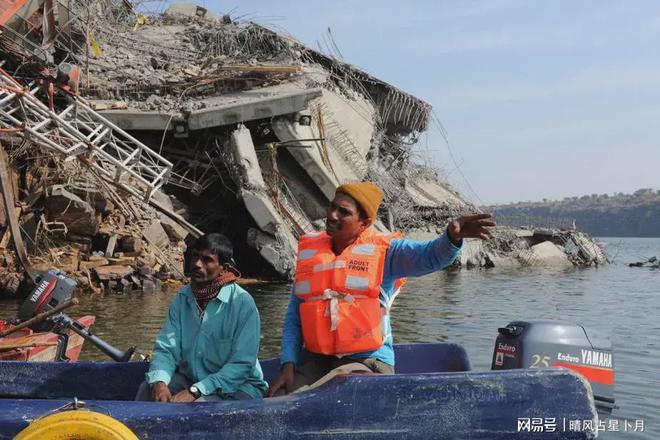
{"type": "Point", "coordinates": [467, 307]}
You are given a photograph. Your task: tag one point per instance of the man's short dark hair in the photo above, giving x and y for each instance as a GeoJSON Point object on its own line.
{"type": "Point", "coordinates": [216, 243]}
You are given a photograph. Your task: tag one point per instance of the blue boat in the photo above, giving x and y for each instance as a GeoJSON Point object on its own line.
{"type": "Point", "coordinates": [434, 395]}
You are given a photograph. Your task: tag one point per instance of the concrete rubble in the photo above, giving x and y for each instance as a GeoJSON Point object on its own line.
{"type": "Point", "coordinates": [653, 263]}
{"type": "Point", "coordinates": [131, 133]}
{"type": "Point", "coordinates": [525, 247]}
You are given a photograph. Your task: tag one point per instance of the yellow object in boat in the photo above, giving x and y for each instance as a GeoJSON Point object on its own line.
{"type": "Point", "coordinates": [79, 424]}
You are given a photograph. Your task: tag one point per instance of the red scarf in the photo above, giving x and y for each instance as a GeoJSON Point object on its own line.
{"type": "Point", "coordinates": [206, 293]}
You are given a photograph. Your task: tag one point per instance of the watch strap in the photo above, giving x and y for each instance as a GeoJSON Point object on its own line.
{"type": "Point", "coordinates": [196, 392]}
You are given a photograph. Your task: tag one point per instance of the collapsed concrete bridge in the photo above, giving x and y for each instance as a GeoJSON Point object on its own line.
{"type": "Point", "coordinates": [256, 130]}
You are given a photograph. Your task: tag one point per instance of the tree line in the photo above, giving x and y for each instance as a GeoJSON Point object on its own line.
{"type": "Point", "coordinates": [605, 215]}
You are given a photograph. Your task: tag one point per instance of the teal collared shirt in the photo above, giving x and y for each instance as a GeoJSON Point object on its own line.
{"type": "Point", "coordinates": [217, 350]}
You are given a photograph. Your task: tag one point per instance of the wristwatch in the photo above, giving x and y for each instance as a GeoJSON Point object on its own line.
{"type": "Point", "coordinates": [195, 392]}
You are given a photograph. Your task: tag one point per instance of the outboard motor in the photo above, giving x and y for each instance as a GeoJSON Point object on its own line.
{"type": "Point", "coordinates": [52, 289]}
{"type": "Point", "coordinates": [541, 344]}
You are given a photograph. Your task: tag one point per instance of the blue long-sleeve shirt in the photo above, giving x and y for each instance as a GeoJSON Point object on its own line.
{"type": "Point", "coordinates": [404, 258]}
{"type": "Point", "coordinates": [218, 350]}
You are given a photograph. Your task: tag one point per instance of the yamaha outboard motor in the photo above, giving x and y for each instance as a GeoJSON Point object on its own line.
{"type": "Point", "coordinates": [52, 289]}
{"type": "Point", "coordinates": [541, 344]}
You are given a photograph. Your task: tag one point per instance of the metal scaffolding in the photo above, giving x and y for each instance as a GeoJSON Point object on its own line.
{"type": "Point", "coordinates": [80, 132]}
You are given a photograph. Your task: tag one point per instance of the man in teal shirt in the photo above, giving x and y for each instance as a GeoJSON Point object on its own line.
{"type": "Point", "coordinates": [208, 347]}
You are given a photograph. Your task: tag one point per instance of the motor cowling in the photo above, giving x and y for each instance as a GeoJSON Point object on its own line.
{"type": "Point", "coordinates": [547, 344]}
{"type": "Point", "coordinates": [52, 288]}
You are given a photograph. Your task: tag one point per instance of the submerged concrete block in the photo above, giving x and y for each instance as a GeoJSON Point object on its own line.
{"type": "Point", "coordinates": [548, 254]}
{"type": "Point", "coordinates": [473, 254]}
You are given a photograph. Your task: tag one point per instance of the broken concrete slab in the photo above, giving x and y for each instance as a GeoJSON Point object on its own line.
{"type": "Point", "coordinates": [176, 10]}
{"type": "Point", "coordinates": [94, 197]}
{"type": "Point", "coordinates": [155, 234]}
{"type": "Point", "coordinates": [549, 255]}
{"type": "Point", "coordinates": [588, 251]}
{"type": "Point", "coordinates": [112, 272]}
{"type": "Point", "coordinates": [307, 153]}
{"type": "Point", "coordinates": [93, 262]}
{"type": "Point", "coordinates": [430, 193]}
{"type": "Point", "coordinates": [215, 115]}
{"type": "Point", "coordinates": [264, 211]}
{"type": "Point", "coordinates": [502, 262]}
{"type": "Point", "coordinates": [272, 250]}
{"type": "Point", "coordinates": [473, 254]}
{"type": "Point", "coordinates": [245, 157]}
{"type": "Point", "coordinates": [129, 244]}
{"type": "Point", "coordinates": [121, 261]}
{"type": "Point", "coordinates": [174, 231]}
{"type": "Point", "coordinates": [110, 248]}
{"type": "Point", "coordinates": [66, 207]}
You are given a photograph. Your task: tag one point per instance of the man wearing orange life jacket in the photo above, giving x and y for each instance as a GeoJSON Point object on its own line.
{"type": "Point", "coordinates": [346, 280]}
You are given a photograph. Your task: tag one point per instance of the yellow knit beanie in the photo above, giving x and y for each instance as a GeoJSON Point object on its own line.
{"type": "Point", "coordinates": [366, 194]}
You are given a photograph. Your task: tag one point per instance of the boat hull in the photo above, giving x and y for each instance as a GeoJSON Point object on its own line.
{"type": "Point", "coordinates": [423, 405]}
{"type": "Point", "coordinates": [45, 344]}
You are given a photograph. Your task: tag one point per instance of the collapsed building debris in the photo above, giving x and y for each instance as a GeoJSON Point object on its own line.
{"type": "Point", "coordinates": [653, 263]}
{"type": "Point", "coordinates": [140, 131]}
{"type": "Point", "coordinates": [528, 247]}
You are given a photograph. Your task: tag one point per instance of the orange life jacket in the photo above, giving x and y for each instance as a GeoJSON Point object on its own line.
{"type": "Point", "coordinates": [341, 311]}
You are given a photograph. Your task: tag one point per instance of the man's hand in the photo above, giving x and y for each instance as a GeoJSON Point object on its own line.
{"type": "Point", "coordinates": [160, 392]}
{"type": "Point", "coordinates": [471, 226]}
{"type": "Point", "coordinates": [283, 381]}
{"type": "Point", "coordinates": [183, 396]}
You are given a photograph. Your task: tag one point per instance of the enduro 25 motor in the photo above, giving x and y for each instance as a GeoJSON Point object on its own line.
{"type": "Point", "coordinates": [545, 343]}
{"type": "Point", "coordinates": [52, 289]}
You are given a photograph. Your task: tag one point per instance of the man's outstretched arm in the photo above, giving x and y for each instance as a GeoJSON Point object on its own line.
{"type": "Point", "coordinates": [406, 258]}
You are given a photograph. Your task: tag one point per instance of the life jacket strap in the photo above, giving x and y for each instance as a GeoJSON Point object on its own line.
{"type": "Point", "coordinates": [332, 306]}
{"type": "Point", "coordinates": [387, 305]}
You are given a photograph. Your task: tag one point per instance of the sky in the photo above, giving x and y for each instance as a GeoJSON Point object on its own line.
{"type": "Point", "coordinates": [540, 99]}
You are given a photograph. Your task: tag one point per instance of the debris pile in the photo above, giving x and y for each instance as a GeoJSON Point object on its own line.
{"type": "Point", "coordinates": [534, 247]}
{"type": "Point", "coordinates": [141, 130]}
{"type": "Point", "coordinates": [653, 263]}
{"type": "Point", "coordinates": [72, 220]}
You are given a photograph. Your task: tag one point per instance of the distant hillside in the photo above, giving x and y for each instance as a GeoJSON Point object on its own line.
{"type": "Point", "coordinates": [617, 215]}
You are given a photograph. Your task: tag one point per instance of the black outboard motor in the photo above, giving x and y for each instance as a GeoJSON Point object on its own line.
{"type": "Point", "coordinates": [52, 289]}
{"type": "Point", "coordinates": [541, 344]}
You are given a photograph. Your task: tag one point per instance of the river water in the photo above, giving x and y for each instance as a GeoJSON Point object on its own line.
{"type": "Point", "coordinates": [467, 307]}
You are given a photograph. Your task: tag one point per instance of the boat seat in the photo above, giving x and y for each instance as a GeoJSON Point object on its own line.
{"type": "Point", "coordinates": [440, 357]}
